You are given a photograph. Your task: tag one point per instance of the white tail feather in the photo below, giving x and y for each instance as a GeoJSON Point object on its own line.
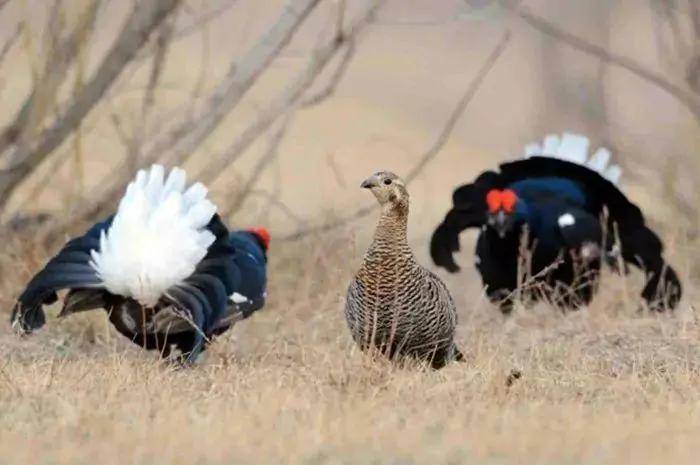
{"type": "Point", "coordinates": [600, 159]}
{"type": "Point", "coordinates": [532, 150]}
{"type": "Point", "coordinates": [613, 174]}
{"type": "Point", "coordinates": [574, 148]}
{"type": "Point", "coordinates": [551, 145]}
{"type": "Point", "coordinates": [157, 237]}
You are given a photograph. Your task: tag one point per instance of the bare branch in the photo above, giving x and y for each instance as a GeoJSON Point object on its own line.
{"type": "Point", "coordinates": [335, 79]}
{"type": "Point", "coordinates": [339, 72]}
{"type": "Point", "coordinates": [188, 135]}
{"type": "Point", "coordinates": [695, 17]}
{"type": "Point", "coordinates": [162, 46]}
{"type": "Point", "coordinates": [462, 105]}
{"type": "Point", "coordinates": [142, 21]}
{"type": "Point", "coordinates": [198, 87]}
{"type": "Point", "coordinates": [119, 129]}
{"type": "Point", "coordinates": [432, 151]}
{"type": "Point", "coordinates": [189, 132]}
{"type": "Point", "coordinates": [270, 154]}
{"type": "Point", "coordinates": [202, 21]}
{"type": "Point", "coordinates": [53, 75]}
{"type": "Point", "coordinates": [340, 17]}
{"type": "Point", "coordinates": [320, 57]}
{"type": "Point", "coordinates": [10, 42]}
{"type": "Point", "coordinates": [273, 201]}
{"type": "Point", "coordinates": [682, 95]}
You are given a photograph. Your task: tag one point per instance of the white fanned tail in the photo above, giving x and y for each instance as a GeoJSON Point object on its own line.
{"type": "Point", "coordinates": [157, 237]}
{"type": "Point", "coordinates": [574, 148]}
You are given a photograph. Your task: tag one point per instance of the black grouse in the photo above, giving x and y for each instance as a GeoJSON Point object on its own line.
{"type": "Point", "coordinates": [164, 267]}
{"type": "Point", "coordinates": [567, 211]}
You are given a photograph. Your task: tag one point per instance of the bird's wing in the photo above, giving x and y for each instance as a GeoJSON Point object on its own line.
{"type": "Point", "coordinates": [643, 248]}
{"type": "Point", "coordinates": [468, 211]}
{"type": "Point", "coordinates": [69, 269]}
{"type": "Point", "coordinates": [248, 291]}
{"type": "Point", "coordinates": [213, 281]}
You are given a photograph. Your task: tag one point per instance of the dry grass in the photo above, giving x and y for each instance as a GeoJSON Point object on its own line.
{"type": "Point", "coordinates": [605, 385]}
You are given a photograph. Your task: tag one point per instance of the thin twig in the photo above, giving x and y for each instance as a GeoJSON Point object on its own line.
{"type": "Point", "coordinates": [335, 79]}
{"type": "Point", "coordinates": [270, 154]}
{"type": "Point", "coordinates": [461, 106]}
{"type": "Point", "coordinates": [432, 151]}
{"type": "Point", "coordinates": [320, 57]}
{"type": "Point", "coordinates": [162, 46]}
{"type": "Point", "coordinates": [189, 133]}
{"type": "Point", "coordinates": [51, 77]}
{"type": "Point", "coordinates": [200, 82]}
{"type": "Point", "coordinates": [682, 95]}
{"type": "Point", "coordinates": [274, 201]}
{"type": "Point", "coordinates": [186, 137]}
{"type": "Point", "coordinates": [142, 21]}
{"type": "Point", "coordinates": [10, 42]}
{"type": "Point", "coordinates": [199, 23]}
{"type": "Point", "coordinates": [119, 129]}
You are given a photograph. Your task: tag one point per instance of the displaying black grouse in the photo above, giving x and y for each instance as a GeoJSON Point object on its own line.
{"type": "Point", "coordinates": [164, 267]}
{"type": "Point", "coordinates": [567, 211]}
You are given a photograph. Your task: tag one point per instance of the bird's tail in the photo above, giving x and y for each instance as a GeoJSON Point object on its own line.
{"type": "Point", "coordinates": [158, 236]}
{"type": "Point", "coordinates": [574, 148]}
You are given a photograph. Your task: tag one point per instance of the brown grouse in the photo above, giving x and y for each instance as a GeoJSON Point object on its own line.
{"type": "Point", "coordinates": [394, 305]}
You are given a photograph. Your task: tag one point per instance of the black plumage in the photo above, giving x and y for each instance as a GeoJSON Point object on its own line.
{"type": "Point", "coordinates": [186, 317]}
{"type": "Point", "coordinates": [575, 218]}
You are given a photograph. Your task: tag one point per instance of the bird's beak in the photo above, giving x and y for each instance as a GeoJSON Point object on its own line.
{"type": "Point", "coordinates": [369, 183]}
{"type": "Point", "coordinates": [502, 223]}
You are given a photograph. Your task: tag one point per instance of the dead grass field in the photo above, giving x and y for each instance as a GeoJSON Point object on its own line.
{"type": "Point", "coordinates": [604, 385]}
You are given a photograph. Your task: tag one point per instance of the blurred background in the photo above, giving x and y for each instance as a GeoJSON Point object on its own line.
{"type": "Point", "coordinates": [283, 107]}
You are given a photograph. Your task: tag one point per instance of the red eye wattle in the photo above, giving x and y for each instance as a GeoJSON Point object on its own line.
{"type": "Point", "coordinates": [501, 200]}
{"type": "Point", "coordinates": [493, 200]}
{"type": "Point", "coordinates": [263, 234]}
{"type": "Point", "coordinates": [508, 200]}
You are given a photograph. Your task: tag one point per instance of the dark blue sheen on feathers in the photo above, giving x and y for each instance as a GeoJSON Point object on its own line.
{"type": "Point", "coordinates": [235, 263]}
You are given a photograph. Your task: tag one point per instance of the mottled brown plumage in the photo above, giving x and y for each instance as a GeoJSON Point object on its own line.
{"type": "Point", "coordinates": [395, 305]}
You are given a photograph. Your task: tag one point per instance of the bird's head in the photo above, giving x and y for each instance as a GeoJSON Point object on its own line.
{"type": "Point", "coordinates": [503, 209]}
{"type": "Point", "coordinates": [262, 235]}
{"type": "Point", "coordinates": [389, 189]}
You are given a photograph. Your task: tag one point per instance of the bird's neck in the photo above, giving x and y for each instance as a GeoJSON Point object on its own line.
{"type": "Point", "coordinates": [392, 228]}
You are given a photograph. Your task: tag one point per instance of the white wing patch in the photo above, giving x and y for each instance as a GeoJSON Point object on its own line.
{"type": "Point", "coordinates": [237, 298]}
{"type": "Point", "coordinates": [566, 220]}
{"type": "Point", "coordinates": [157, 237]}
{"type": "Point", "coordinates": [574, 148]}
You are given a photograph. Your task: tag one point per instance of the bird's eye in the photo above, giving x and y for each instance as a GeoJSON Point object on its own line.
{"type": "Point", "coordinates": [387, 182]}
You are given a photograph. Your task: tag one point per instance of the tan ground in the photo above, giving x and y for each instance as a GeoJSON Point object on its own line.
{"type": "Point", "coordinates": [604, 385]}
